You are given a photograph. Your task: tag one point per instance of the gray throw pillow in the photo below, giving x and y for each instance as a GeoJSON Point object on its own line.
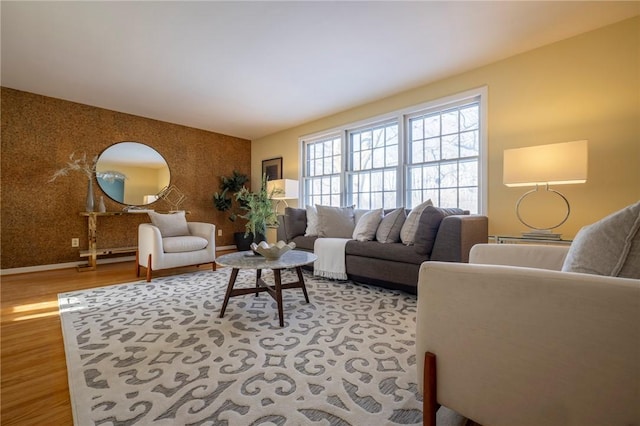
{"type": "Point", "coordinates": [389, 229]}
{"type": "Point", "coordinates": [367, 225]}
{"type": "Point", "coordinates": [170, 225]}
{"type": "Point", "coordinates": [295, 221]}
{"type": "Point", "coordinates": [428, 226]}
{"type": "Point", "coordinates": [410, 226]}
{"type": "Point", "coordinates": [335, 222]}
{"type": "Point", "coordinates": [609, 247]}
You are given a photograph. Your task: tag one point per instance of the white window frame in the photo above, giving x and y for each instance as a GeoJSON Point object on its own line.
{"type": "Point", "coordinates": [402, 117]}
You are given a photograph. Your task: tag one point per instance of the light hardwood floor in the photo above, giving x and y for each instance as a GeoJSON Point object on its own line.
{"type": "Point", "coordinates": [34, 383]}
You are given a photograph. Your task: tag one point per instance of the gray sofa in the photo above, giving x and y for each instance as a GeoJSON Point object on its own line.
{"type": "Point", "coordinates": [395, 265]}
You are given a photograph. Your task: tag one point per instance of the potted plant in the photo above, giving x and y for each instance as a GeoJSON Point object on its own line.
{"type": "Point", "coordinates": [259, 211]}
{"type": "Point", "coordinates": [229, 186]}
{"type": "Point", "coordinates": [256, 208]}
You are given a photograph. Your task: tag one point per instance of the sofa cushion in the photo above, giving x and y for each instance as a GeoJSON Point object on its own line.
{"type": "Point", "coordinates": [610, 246]}
{"type": "Point", "coordinates": [428, 226]}
{"type": "Point", "coordinates": [396, 252]}
{"type": "Point", "coordinates": [304, 243]}
{"type": "Point", "coordinates": [183, 244]}
{"type": "Point", "coordinates": [335, 222]}
{"type": "Point", "coordinates": [170, 225]}
{"type": "Point", "coordinates": [390, 226]}
{"type": "Point", "coordinates": [367, 225]}
{"type": "Point", "coordinates": [312, 222]}
{"type": "Point", "coordinates": [295, 222]}
{"type": "Point", "coordinates": [410, 226]}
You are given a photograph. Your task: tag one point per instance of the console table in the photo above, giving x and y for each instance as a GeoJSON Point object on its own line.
{"type": "Point", "coordinates": [92, 235]}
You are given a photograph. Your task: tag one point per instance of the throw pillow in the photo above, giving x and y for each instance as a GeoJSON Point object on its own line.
{"type": "Point", "coordinates": [335, 222]}
{"type": "Point", "coordinates": [312, 222]}
{"type": "Point", "coordinates": [610, 246]}
{"type": "Point", "coordinates": [367, 226]}
{"type": "Point", "coordinates": [359, 213]}
{"type": "Point", "coordinates": [390, 226]}
{"type": "Point", "coordinates": [410, 227]}
{"type": "Point", "coordinates": [170, 225]}
{"type": "Point", "coordinates": [295, 222]}
{"type": "Point", "coordinates": [428, 226]}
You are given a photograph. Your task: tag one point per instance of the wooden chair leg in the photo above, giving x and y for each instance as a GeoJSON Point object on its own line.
{"type": "Point", "coordinates": [137, 263]}
{"type": "Point", "coordinates": [429, 397]}
{"type": "Point", "coordinates": [213, 265]}
{"type": "Point", "coordinates": [149, 268]}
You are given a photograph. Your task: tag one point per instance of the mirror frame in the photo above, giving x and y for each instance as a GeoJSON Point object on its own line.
{"type": "Point", "coordinates": [144, 145]}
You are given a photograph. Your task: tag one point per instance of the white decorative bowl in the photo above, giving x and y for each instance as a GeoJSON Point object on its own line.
{"type": "Point", "coordinates": [272, 251]}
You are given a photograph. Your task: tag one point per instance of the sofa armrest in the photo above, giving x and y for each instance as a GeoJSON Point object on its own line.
{"type": "Point", "coordinates": [281, 235]}
{"type": "Point", "coordinates": [526, 255]}
{"type": "Point", "coordinates": [457, 234]}
{"type": "Point", "coordinates": [521, 346]}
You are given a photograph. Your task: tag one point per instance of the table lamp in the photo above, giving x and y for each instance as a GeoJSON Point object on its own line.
{"type": "Point", "coordinates": [282, 190]}
{"type": "Point", "coordinates": [541, 166]}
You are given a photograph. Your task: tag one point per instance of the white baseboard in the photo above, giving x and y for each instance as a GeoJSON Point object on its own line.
{"type": "Point", "coordinates": [51, 267]}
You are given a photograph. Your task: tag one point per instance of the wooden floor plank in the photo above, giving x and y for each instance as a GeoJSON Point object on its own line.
{"type": "Point", "coordinates": [34, 383]}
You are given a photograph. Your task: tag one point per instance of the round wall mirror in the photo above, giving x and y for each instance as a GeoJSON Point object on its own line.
{"type": "Point", "coordinates": [132, 173]}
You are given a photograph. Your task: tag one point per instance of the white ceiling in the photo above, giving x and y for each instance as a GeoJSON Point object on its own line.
{"type": "Point", "coordinates": [249, 69]}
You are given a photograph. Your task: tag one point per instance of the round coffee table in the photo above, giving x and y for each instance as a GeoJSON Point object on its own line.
{"type": "Point", "coordinates": [247, 260]}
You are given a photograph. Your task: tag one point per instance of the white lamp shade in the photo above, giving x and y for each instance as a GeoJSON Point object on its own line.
{"type": "Point", "coordinates": [285, 189]}
{"type": "Point", "coordinates": [557, 164]}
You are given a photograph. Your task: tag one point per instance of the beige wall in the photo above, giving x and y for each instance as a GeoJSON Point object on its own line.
{"type": "Point", "coordinates": [39, 133]}
{"type": "Point", "coordinates": [586, 87]}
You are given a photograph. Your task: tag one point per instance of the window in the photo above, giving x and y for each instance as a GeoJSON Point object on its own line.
{"type": "Point", "coordinates": [323, 165]}
{"type": "Point", "coordinates": [373, 167]}
{"type": "Point", "coordinates": [444, 147]}
{"type": "Point", "coordinates": [432, 151]}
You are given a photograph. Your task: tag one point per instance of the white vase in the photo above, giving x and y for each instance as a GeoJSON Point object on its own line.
{"type": "Point", "coordinates": [101, 206]}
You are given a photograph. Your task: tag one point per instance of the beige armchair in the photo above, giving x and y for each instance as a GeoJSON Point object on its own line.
{"type": "Point", "coordinates": [156, 252]}
{"type": "Point", "coordinates": [509, 339]}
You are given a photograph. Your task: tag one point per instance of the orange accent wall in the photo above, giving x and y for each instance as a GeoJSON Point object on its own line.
{"type": "Point", "coordinates": [39, 133]}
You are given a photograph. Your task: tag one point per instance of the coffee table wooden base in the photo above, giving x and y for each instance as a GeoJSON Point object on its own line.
{"type": "Point", "coordinates": [275, 291]}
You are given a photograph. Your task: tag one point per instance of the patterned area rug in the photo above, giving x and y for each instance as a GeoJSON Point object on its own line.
{"type": "Point", "coordinates": [157, 353]}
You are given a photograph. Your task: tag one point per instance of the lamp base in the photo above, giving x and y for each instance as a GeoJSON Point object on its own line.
{"type": "Point", "coordinates": [542, 233]}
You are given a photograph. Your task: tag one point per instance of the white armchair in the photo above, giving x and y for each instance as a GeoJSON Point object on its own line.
{"type": "Point", "coordinates": [156, 252]}
{"type": "Point", "coordinates": [528, 344]}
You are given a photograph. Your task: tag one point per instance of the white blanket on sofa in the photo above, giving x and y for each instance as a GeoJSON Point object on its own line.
{"type": "Point", "coordinates": [331, 258]}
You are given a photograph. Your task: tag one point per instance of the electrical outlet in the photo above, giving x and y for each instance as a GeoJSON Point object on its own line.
{"type": "Point", "coordinates": [75, 242]}
{"type": "Point", "coordinates": [219, 232]}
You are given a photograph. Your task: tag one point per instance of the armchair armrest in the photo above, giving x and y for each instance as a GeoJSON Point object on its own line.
{"type": "Point", "coordinates": [526, 255]}
{"type": "Point", "coordinates": [204, 230]}
{"type": "Point", "coordinates": [149, 243]}
{"type": "Point", "coordinates": [530, 347]}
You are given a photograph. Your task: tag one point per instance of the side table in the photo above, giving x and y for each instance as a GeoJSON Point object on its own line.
{"type": "Point", "coordinates": [512, 239]}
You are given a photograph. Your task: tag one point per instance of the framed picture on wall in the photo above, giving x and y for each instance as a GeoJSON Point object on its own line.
{"type": "Point", "coordinates": [272, 168]}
